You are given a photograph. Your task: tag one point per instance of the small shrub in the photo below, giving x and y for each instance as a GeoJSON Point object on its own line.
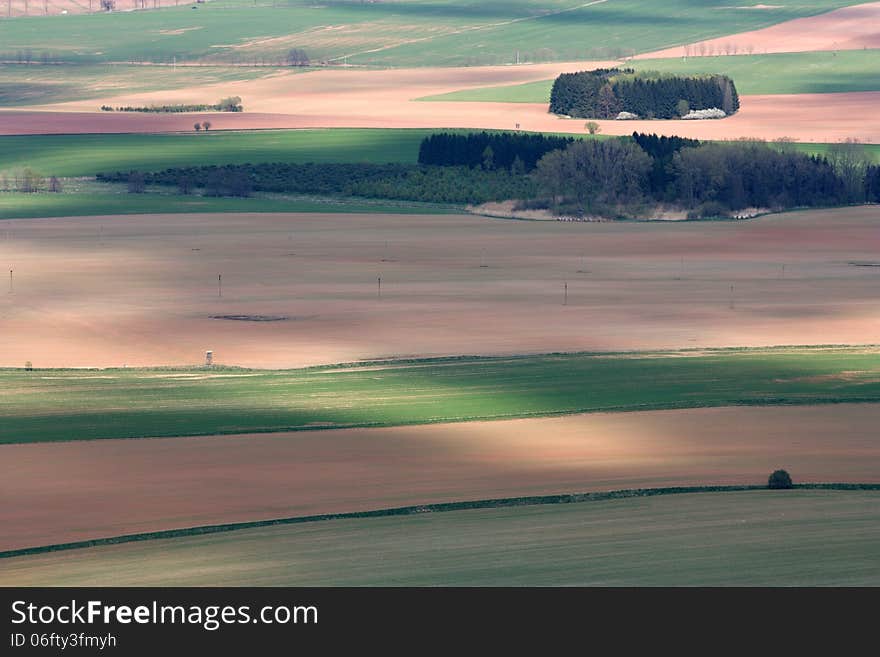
{"type": "Point", "coordinates": [780, 479]}
{"type": "Point", "coordinates": [709, 210]}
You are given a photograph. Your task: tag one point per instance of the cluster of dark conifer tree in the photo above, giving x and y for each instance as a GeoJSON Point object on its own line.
{"type": "Point", "coordinates": [516, 151]}
{"type": "Point", "coordinates": [604, 93]}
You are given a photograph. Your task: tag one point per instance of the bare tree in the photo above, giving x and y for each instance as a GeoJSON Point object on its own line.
{"type": "Point", "coordinates": [206, 125]}
{"type": "Point", "coordinates": [136, 183]}
{"type": "Point", "coordinates": [850, 160]}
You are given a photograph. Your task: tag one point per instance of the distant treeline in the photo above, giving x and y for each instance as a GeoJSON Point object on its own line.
{"type": "Point", "coordinates": [516, 151]}
{"type": "Point", "coordinates": [620, 176]}
{"type": "Point", "coordinates": [231, 104]}
{"type": "Point", "coordinates": [457, 184]}
{"type": "Point", "coordinates": [605, 93]}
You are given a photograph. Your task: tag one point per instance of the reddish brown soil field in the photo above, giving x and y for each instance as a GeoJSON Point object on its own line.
{"type": "Point", "coordinates": [387, 99]}
{"type": "Point", "coordinates": [74, 491]}
{"type": "Point", "coordinates": [848, 28]}
{"type": "Point", "coordinates": [142, 290]}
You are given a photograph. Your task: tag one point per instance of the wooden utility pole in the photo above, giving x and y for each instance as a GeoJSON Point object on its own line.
{"type": "Point", "coordinates": [565, 297]}
{"type": "Point", "coordinates": [219, 285]}
{"type": "Point", "coordinates": [10, 281]}
{"type": "Point", "coordinates": [379, 288]}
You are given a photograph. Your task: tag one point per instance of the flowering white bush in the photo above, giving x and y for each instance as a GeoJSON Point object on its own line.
{"type": "Point", "coordinates": [711, 113]}
{"type": "Point", "coordinates": [626, 116]}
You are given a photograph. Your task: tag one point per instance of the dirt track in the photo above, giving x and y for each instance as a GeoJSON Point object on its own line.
{"type": "Point", "coordinates": [73, 491]}
{"type": "Point", "coordinates": [848, 28]}
{"type": "Point", "coordinates": [387, 99]}
{"type": "Point", "coordinates": [141, 290]}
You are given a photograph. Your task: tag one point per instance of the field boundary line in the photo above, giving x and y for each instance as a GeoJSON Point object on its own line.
{"type": "Point", "coordinates": [441, 507]}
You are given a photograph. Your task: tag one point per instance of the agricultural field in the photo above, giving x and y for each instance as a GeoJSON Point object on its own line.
{"type": "Point", "coordinates": [410, 33]}
{"type": "Point", "coordinates": [758, 538]}
{"type": "Point", "coordinates": [125, 403]}
{"type": "Point", "coordinates": [81, 490]}
{"type": "Point", "coordinates": [86, 155]}
{"type": "Point", "coordinates": [39, 85]}
{"type": "Point", "coordinates": [798, 278]}
{"type": "Point", "coordinates": [191, 384]}
{"type": "Point", "coordinates": [786, 73]}
{"type": "Point", "coordinates": [120, 203]}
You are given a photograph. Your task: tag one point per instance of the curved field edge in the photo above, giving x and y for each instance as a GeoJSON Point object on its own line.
{"type": "Point", "coordinates": [766, 74]}
{"type": "Point", "coordinates": [64, 405]}
{"type": "Point", "coordinates": [442, 507]}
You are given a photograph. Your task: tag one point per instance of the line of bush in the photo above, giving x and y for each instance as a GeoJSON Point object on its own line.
{"type": "Point", "coordinates": [231, 104]}
{"type": "Point", "coordinates": [386, 181]}
{"type": "Point", "coordinates": [605, 93]}
{"type": "Point", "coordinates": [565, 498]}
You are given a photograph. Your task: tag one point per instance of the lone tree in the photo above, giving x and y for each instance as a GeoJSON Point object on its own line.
{"type": "Point", "coordinates": [683, 107]}
{"type": "Point", "coordinates": [136, 183]}
{"type": "Point", "coordinates": [206, 125]}
{"type": "Point", "coordinates": [297, 57]}
{"type": "Point", "coordinates": [197, 126]}
{"type": "Point", "coordinates": [779, 479]}
{"type": "Point", "coordinates": [592, 127]}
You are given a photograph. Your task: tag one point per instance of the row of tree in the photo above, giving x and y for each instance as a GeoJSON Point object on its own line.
{"type": "Point", "coordinates": [709, 179]}
{"type": "Point", "coordinates": [29, 181]}
{"type": "Point", "coordinates": [231, 104]}
{"type": "Point", "coordinates": [605, 93]}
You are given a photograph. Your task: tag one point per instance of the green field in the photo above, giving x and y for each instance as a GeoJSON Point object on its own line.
{"type": "Point", "coordinates": [53, 405]}
{"type": "Point", "coordinates": [785, 73]}
{"type": "Point", "coordinates": [529, 92]}
{"type": "Point", "coordinates": [402, 33]}
{"type": "Point", "coordinates": [86, 155]}
{"type": "Point", "coordinates": [36, 85]}
{"type": "Point", "coordinates": [763, 538]}
{"type": "Point", "coordinates": [24, 206]}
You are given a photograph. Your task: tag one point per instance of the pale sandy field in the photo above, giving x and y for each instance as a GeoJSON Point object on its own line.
{"type": "Point", "coordinates": [142, 290]}
{"type": "Point", "coordinates": [848, 28]}
{"type": "Point", "coordinates": [73, 491]}
{"type": "Point", "coordinates": [388, 99]}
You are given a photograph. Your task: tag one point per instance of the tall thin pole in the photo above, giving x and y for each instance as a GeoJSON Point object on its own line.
{"type": "Point", "coordinates": [379, 287]}
{"type": "Point", "coordinates": [565, 298]}
{"type": "Point", "coordinates": [10, 281]}
{"type": "Point", "coordinates": [219, 285]}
